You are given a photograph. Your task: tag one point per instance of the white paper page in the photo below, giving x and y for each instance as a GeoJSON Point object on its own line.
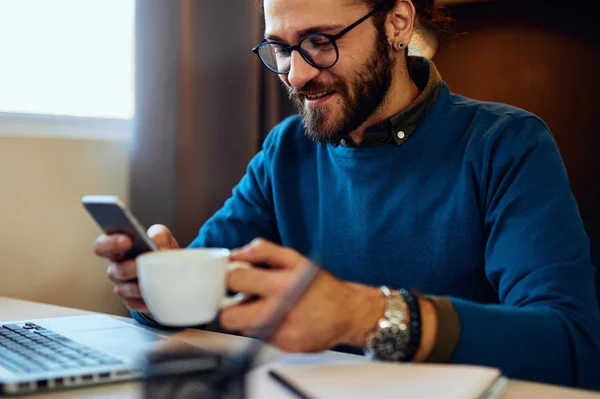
{"type": "Point", "coordinates": [324, 377]}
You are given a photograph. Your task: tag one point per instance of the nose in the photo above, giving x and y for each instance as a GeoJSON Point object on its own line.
{"type": "Point", "coordinates": [301, 72]}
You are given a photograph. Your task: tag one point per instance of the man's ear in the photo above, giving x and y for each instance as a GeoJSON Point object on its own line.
{"type": "Point", "coordinates": [400, 24]}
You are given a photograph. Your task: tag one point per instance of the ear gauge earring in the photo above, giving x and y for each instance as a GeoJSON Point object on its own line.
{"type": "Point", "coordinates": [401, 45]}
{"type": "Point", "coordinates": [338, 101]}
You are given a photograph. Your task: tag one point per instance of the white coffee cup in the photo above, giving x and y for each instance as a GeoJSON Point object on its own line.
{"type": "Point", "coordinates": [186, 287]}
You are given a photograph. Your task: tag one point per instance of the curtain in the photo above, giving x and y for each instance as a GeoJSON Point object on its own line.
{"type": "Point", "coordinates": [204, 104]}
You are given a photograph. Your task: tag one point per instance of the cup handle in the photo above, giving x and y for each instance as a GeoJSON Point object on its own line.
{"type": "Point", "coordinates": [239, 297]}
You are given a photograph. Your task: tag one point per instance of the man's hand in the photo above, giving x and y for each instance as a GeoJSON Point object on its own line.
{"type": "Point", "coordinates": [329, 313]}
{"type": "Point", "coordinates": [123, 272]}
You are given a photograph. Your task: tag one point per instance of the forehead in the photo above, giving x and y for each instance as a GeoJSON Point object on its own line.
{"type": "Point", "coordinates": [285, 17]}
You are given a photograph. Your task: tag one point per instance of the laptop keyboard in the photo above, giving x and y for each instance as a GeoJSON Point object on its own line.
{"type": "Point", "coordinates": [29, 348]}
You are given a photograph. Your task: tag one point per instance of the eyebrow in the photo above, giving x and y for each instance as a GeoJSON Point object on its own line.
{"type": "Point", "coordinates": [306, 32]}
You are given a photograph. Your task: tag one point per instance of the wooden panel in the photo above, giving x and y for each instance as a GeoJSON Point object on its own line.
{"type": "Point", "coordinates": [543, 57]}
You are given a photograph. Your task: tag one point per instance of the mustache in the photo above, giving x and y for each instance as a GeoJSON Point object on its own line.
{"type": "Point", "coordinates": [314, 86]}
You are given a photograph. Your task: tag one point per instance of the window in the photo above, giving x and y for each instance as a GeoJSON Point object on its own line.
{"type": "Point", "coordinates": [66, 58]}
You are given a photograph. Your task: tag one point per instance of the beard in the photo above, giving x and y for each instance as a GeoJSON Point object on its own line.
{"type": "Point", "coordinates": [361, 97]}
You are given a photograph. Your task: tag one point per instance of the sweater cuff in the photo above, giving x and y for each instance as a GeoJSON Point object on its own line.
{"type": "Point", "coordinates": [448, 330]}
{"type": "Point", "coordinates": [144, 318]}
{"type": "Point", "coordinates": [148, 320]}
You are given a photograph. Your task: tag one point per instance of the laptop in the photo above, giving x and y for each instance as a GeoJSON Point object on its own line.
{"type": "Point", "coordinates": [65, 352]}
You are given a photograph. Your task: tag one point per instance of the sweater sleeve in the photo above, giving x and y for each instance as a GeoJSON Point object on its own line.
{"type": "Point", "coordinates": [537, 257]}
{"type": "Point", "coordinates": [247, 215]}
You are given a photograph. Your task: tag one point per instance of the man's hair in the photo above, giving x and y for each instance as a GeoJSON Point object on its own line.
{"type": "Point", "coordinates": [429, 15]}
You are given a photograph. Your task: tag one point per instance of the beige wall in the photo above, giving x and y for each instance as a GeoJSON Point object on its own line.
{"type": "Point", "coordinates": [45, 235]}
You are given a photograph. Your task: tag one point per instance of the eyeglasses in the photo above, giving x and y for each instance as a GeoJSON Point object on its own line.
{"type": "Point", "coordinates": [318, 49]}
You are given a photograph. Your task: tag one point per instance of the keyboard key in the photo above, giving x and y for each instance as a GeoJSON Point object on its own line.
{"type": "Point", "coordinates": [108, 361]}
{"type": "Point", "coordinates": [16, 360]}
{"type": "Point", "coordinates": [70, 353]}
{"type": "Point", "coordinates": [46, 333]}
{"type": "Point", "coordinates": [13, 327]}
{"type": "Point", "coordinates": [88, 362]}
{"type": "Point", "coordinates": [10, 366]}
{"type": "Point", "coordinates": [49, 365]}
{"type": "Point", "coordinates": [70, 365]}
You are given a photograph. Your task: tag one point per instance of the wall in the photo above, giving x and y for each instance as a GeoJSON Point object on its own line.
{"type": "Point", "coordinates": [46, 237]}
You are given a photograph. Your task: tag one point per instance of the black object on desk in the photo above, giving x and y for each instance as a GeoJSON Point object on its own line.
{"type": "Point", "coordinates": [288, 385]}
{"type": "Point", "coordinates": [181, 371]}
{"type": "Point", "coordinates": [191, 373]}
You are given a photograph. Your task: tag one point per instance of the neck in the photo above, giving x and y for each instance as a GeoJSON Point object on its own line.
{"type": "Point", "coordinates": [402, 93]}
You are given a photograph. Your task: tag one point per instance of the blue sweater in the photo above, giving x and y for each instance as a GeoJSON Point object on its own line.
{"type": "Point", "coordinates": [475, 206]}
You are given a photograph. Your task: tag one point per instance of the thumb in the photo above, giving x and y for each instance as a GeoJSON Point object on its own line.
{"type": "Point", "coordinates": [162, 237]}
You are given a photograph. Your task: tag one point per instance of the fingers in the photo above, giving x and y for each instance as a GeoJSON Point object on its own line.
{"type": "Point", "coordinates": [112, 246]}
{"type": "Point", "coordinates": [121, 272]}
{"type": "Point", "coordinates": [162, 237]}
{"type": "Point", "coordinates": [132, 297]}
{"type": "Point", "coordinates": [260, 282]}
{"type": "Point", "coordinates": [128, 291]}
{"type": "Point", "coordinates": [262, 251]}
{"type": "Point", "coordinates": [246, 318]}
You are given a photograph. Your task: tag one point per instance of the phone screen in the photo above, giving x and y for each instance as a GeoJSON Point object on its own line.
{"type": "Point", "coordinates": [114, 218]}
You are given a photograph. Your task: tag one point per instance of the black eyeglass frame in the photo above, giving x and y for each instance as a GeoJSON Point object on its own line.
{"type": "Point", "coordinates": [297, 47]}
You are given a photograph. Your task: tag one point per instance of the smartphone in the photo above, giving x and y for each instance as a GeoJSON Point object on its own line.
{"type": "Point", "coordinates": [113, 217]}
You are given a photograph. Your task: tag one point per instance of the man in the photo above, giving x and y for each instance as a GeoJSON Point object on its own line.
{"type": "Point", "coordinates": [389, 179]}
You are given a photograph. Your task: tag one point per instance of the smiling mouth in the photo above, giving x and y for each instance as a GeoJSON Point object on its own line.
{"type": "Point", "coordinates": [317, 95]}
{"type": "Point", "coordinates": [319, 99]}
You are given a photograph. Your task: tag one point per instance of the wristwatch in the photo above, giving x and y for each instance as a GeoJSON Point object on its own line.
{"type": "Point", "coordinates": [390, 339]}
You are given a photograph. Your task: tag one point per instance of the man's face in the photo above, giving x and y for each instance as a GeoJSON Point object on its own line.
{"type": "Point", "coordinates": [336, 101]}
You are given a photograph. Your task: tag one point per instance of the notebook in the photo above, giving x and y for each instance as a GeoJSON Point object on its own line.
{"type": "Point", "coordinates": [323, 377]}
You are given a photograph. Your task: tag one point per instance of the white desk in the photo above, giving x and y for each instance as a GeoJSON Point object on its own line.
{"type": "Point", "coordinates": [12, 309]}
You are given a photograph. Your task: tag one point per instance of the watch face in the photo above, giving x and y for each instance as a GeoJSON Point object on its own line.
{"type": "Point", "coordinates": [390, 343]}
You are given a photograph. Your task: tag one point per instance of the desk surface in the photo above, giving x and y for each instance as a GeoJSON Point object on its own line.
{"type": "Point", "coordinates": [13, 309]}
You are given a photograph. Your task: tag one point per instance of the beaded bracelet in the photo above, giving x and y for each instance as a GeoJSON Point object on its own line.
{"type": "Point", "coordinates": [415, 324]}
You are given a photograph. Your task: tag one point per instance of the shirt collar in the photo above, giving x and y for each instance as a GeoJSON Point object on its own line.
{"type": "Point", "coordinates": [399, 127]}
